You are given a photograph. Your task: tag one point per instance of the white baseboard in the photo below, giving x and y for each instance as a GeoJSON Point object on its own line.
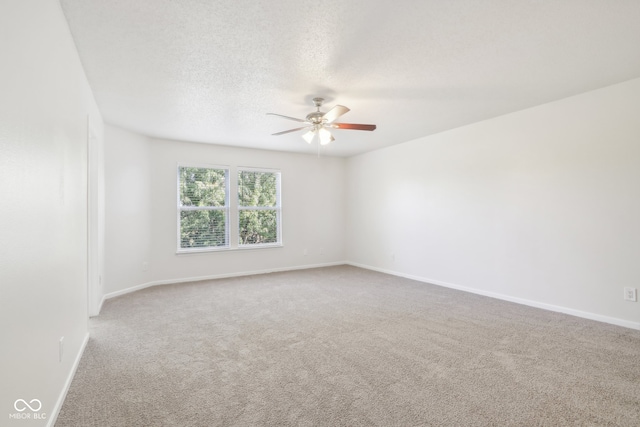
{"type": "Point", "coordinates": [215, 276]}
{"type": "Point", "coordinates": [67, 384]}
{"type": "Point", "coordinates": [104, 297]}
{"type": "Point", "coordinates": [523, 301]}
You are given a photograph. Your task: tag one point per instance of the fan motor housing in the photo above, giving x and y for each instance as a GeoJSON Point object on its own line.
{"type": "Point", "coordinates": [315, 117]}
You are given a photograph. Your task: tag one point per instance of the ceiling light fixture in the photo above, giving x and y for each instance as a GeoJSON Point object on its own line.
{"type": "Point", "coordinates": [317, 122]}
{"type": "Point", "coordinates": [318, 133]}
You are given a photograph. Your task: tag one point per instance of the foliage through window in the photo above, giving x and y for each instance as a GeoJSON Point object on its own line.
{"type": "Point", "coordinates": [258, 207]}
{"type": "Point", "coordinates": [203, 207]}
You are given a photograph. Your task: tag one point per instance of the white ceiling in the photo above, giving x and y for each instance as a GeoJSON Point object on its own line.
{"type": "Point", "coordinates": [208, 71]}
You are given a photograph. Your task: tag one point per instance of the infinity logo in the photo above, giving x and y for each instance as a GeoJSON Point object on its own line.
{"type": "Point", "coordinates": [26, 405]}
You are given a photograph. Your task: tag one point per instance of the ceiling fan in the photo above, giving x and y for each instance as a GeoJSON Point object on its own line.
{"type": "Point", "coordinates": [318, 123]}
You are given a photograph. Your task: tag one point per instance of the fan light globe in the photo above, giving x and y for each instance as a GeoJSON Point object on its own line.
{"type": "Point", "coordinates": [325, 136]}
{"type": "Point", "coordinates": [309, 136]}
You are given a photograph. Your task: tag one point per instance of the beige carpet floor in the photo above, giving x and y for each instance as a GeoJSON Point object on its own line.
{"type": "Point", "coordinates": [343, 346]}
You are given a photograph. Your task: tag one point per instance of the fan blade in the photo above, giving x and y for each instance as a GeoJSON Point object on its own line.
{"type": "Point", "coordinates": [334, 113]}
{"type": "Point", "coordinates": [290, 130]}
{"type": "Point", "coordinates": [353, 126]}
{"type": "Point", "coordinates": [287, 117]}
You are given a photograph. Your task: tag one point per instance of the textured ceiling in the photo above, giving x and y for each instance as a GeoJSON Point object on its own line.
{"type": "Point", "coordinates": [208, 71]}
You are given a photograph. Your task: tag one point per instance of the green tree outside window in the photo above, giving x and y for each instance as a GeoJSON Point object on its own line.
{"type": "Point", "coordinates": [258, 207]}
{"type": "Point", "coordinates": [203, 207]}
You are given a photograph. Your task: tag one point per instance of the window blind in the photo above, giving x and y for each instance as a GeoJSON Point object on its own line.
{"type": "Point", "coordinates": [258, 207]}
{"type": "Point", "coordinates": [203, 205]}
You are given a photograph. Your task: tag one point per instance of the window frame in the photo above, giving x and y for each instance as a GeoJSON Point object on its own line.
{"type": "Point", "coordinates": [226, 208]}
{"type": "Point", "coordinates": [277, 208]}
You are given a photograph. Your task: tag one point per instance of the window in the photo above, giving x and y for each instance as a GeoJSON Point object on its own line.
{"type": "Point", "coordinates": [203, 208]}
{"type": "Point", "coordinates": [258, 207]}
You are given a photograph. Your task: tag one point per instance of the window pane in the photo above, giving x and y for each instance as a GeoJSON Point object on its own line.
{"type": "Point", "coordinates": [257, 188]}
{"type": "Point", "coordinates": [202, 228]}
{"type": "Point", "coordinates": [258, 227]}
{"type": "Point", "coordinates": [202, 187]}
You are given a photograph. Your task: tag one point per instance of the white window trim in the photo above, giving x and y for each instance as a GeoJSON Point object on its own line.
{"type": "Point", "coordinates": [226, 208]}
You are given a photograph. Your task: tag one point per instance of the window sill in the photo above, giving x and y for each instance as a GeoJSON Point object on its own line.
{"type": "Point", "coordinates": [229, 249]}
{"type": "Point", "coordinates": [263, 246]}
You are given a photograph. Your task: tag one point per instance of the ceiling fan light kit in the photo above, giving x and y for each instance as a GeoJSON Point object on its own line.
{"type": "Point", "coordinates": [318, 123]}
{"type": "Point", "coordinates": [321, 134]}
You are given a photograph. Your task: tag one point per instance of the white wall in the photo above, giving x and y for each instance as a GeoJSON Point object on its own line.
{"type": "Point", "coordinates": [136, 167]}
{"type": "Point", "coordinates": [541, 206]}
{"type": "Point", "coordinates": [128, 210]}
{"type": "Point", "coordinates": [95, 218]}
{"type": "Point", "coordinates": [44, 104]}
